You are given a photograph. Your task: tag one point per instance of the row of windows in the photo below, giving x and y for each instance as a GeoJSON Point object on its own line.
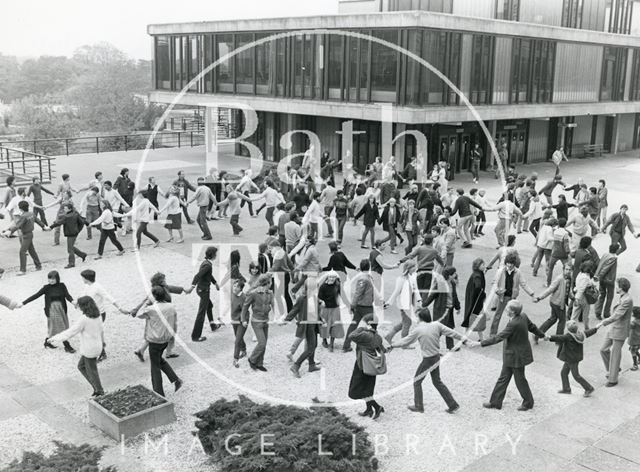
{"type": "Point", "coordinates": [345, 68]}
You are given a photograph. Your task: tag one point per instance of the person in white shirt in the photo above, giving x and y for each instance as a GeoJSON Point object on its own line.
{"type": "Point", "coordinates": [107, 230]}
{"type": "Point", "coordinates": [507, 214]}
{"type": "Point", "coordinates": [557, 158]}
{"type": "Point", "coordinates": [581, 307]}
{"type": "Point", "coordinates": [314, 217]}
{"type": "Point", "coordinates": [173, 206]}
{"type": "Point", "coordinates": [21, 196]}
{"type": "Point", "coordinates": [101, 297]}
{"type": "Point", "coordinates": [544, 242]}
{"type": "Point", "coordinates": [406, 296]}
{"type": "Point", "coordinates": [271, 198]}
{"type": "Point", "coordinates": [203, 196]}
{"type": "Point", "coordinates": [245, 186]}
{"type": "Point", "coordinates": [91, 332]}
{"type": "Point", "coordinates": [141, 214]}
{"type": "Point", "coordinates": [534, 214]}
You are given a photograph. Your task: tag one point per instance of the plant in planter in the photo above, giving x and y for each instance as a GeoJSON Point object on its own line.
{"type": "Point", "coordinates": [238, 433]}
{"type": "Point", "coordinates": [130, 400]}
{"type": "Point", "coordinates": [66, 458]}
{"type": "Point", "coordinates": [130, 411]}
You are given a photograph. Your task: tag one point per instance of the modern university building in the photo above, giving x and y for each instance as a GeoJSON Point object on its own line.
{"type": "Point", "coordinates": [541, 73]}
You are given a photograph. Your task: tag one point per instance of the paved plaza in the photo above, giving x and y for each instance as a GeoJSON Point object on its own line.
{"type": "Point", "coordinates": [43, 397]}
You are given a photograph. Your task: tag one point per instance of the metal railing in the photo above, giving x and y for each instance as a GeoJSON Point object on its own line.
{"type": "Point", "coordinates": [109, 143]}
{"type": "Point", "coordinates": [25, 165]}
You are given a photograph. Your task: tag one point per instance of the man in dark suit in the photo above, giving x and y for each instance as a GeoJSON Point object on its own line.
{"type": "Point", "coordinates": [516, 355]}
{"type": "Point", "coordinates": [202, 282]}
{"type": "Point", "coordinates": [391, 216]}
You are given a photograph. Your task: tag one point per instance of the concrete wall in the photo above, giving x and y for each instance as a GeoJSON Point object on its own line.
{"type": "Point", "coordinates": [476, 8]}
{"type": "Point", "coordinates": [602, 120]}
{"type": "Point", "coordinates": [581, 134]}
{"type": "Point", "coordinates": [502, 70]}
{"type": "Point", "coordinates": [577, 73]}
{"type": "Point", "coordinates": [537, 149]}
{"type": "Point", "coordinates": [545, 12]}
{"type": "Point", "coordinates": [625, 131]}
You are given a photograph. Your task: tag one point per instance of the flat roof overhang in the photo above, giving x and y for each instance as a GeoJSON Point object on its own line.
{"type": "Point", "coordinates": [405, 19]}
{"type": "Point", "coordinates": [400, 114]}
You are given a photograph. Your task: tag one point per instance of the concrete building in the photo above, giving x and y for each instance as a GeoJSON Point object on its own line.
{"type": "Point", "coordinates": [540, 73]}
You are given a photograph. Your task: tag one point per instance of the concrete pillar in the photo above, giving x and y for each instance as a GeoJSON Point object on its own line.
{"type": "Point", "coordinates": [493, 129]}
{"type": "Point", "coordinates": [615, 134]}
{"type": "Point", "coordinates": [399, 147]}
{"type": "Point", "coordinates": [211, 137]}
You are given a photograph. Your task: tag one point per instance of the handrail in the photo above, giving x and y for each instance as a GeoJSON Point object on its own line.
{"type": "Point", "coordinates": [25, 165]}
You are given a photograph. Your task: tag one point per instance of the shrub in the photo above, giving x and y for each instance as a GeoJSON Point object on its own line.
{"type": "Point", "coordinates": [66, 458]}
{"type": "Point", "coordinates": [236, 427]}
{"type": "Point", "coordinates": [129, 400]}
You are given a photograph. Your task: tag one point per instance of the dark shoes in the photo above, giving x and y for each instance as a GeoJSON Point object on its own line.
{"type": "Point", "coordinates": [367, 412]}
{"type": "Point", "coordinates": [347, 349]}
{"type": "Point", "coordinates": [48, 345]}
{"type": "Point", "coordinates": [568, 392]}
{"type": "Point", "coordinates": [452, 409]}
{"type": "Point", "coordinates": [491, 406]}
{"type": "Point", "coordinates": [178, 384]}
{"type": "Point", "coordinates": [173, 355]}
{"type": "Point", "coordinates": [261, 368]}
{"type": "Point", "coordinates": [139, 355]}
{"type": "Point", "coordinates": [377, 412]}
{"type": "Point", "coordinates": [214, 326]}
{"type": "Point", "coordinates": [97, 394]}
{"type": "Point", "coordinates": [611, 384]}
{"type": "Point", "coordinates": [314, 368]}
{"type": "Point", "coordinates": [69, 266]}
{"type": "Point", "coordinates": [69, 349]}
{"type": "Point", "coordinates": [587, 393]}
{"type": "Point", "coordinates": [295, 370]}
{"type": "Point", "coordinates": [524, 408]}
{"type": "Point", "coordinates": [415, 409]}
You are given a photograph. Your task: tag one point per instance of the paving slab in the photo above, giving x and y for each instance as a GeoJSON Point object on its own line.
{"type": "Point", "coordinates": [621, 445]}
{"type": "Point", "coordinates": [9, 408]}
{"type": "Point", "coordinates": [601, 461]}
{"type": "Point", "coordinates": [32, 398]}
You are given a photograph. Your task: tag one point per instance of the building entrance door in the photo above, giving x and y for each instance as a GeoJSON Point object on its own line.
{"type": "Point", "coordinates": [517, 148]}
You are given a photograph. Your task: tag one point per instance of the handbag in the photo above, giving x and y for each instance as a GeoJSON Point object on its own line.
{"type": "Point", "coordinates": [591, 294]}
{"type": "Point", "coordinates": [374, 364]}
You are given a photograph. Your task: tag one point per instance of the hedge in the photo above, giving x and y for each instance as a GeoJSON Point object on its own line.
{"type": "Point", "coordinates": [230, 432]}
{"type": "Point", "coordinates": [66, 458]}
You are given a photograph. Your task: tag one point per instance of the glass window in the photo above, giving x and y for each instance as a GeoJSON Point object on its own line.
{"type": "Point", "coordinates": [194, 61]}
{"type": "Point", "coordinates": [454, 45]}
{"type": "Point", "coordinates": [508, 10]}
{"type": "Point", "coordinates": [365, 55]}
{"type": "Point", "coordinates": [336, 45]}
{"type": "Point", "coordinates": [635, 77]}
{"type": "Point", "coordinates": [434, 52]}
{"type": "Point", "coordinates": [308, 65]}
{"type": "Point", "coordinates": [298, 45]}
{"type": "Point", "coordinates": [384, 67]}
{"type": "Point", "coordinates": [281, 71]}
{"type": "Point", "coordinates": [572, 13]}
{"type": "Point", "coordinates": [265, 61]}
{"type": "Point", "coordinates": [207, 61]}
{"type": "Point", "coordinates": [318, 67]}
{"type": "Point", "coordinates": [163, 63]}
{"type": "Point", "coordinates": [224, 71]}
{"type": "Point", "coordinates": [412, 87]}
{"type": "Point", "coordinates": [532, 71]}
{"type": "Point", "coordinates": [244, 64]}
{"type": "Point", "coordinates": [614, 66]}
{"type": "Point", "coordinates": [618, 16]}
{"type": "Point", "coordinates": [352, 62]}
{"type": "Point", "coordinates": [177, 63]}
{"type": "Point", "coordinates": [481, 67]}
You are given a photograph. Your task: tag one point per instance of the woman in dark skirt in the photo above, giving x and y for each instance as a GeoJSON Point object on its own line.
{"type": "Point", "coordinates": [362, 386]}
{"type": "Point", "coordinates": [56, 296]}
{"type": "Point", "coordinates": [474, 297]}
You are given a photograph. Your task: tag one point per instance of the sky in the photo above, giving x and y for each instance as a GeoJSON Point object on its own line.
{"type": "Point", "coordinates": [33, 28]}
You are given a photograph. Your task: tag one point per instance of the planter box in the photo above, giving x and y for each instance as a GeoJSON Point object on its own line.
{"type": "Point", "coordinates": [132, 425]}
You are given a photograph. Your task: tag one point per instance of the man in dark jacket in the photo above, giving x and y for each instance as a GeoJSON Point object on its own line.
{"type": "Point", "coordinates": [605, 275]}
{"type": "Point", "coordinates": [391, 216]}
{"type": "Point", "coordinates": [72, 224]}
{"type": "Point", "coordinates": [445, 300]}
{"type": "Point", "coordinates": [516, 356]}
{"type": "Point", "coordinates": [202, 282]}
{"type": "Point", "coordinates": [571, 352]}
{"type": "Point", "coordinates": [619, 222]}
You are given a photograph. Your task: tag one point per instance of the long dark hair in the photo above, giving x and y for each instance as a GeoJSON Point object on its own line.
{"type": "Point", "coordinates": [88, 307]}
{"type": "Point", "coordinates": [54, 275]}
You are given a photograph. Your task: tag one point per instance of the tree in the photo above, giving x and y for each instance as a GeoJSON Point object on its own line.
{"type": "Point", "coordinates": [38, 119]}
{"type": "Point", "coordinates": [101, 53]}
{"type": "Point", "coordinates": [44, 75]}
{"type": "Point", "coordinates": [9, 70]}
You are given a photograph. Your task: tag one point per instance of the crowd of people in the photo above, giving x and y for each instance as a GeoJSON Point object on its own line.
{"type": "Point", "coordinates": [423, 221]}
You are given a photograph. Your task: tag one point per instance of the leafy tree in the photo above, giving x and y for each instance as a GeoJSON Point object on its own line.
{"type": "Point", "coordinates": [39, 119]}
{"type": "Point", "coordinates": [8, 75]}
{"type": "Point", "coordinates": [44, 75]}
